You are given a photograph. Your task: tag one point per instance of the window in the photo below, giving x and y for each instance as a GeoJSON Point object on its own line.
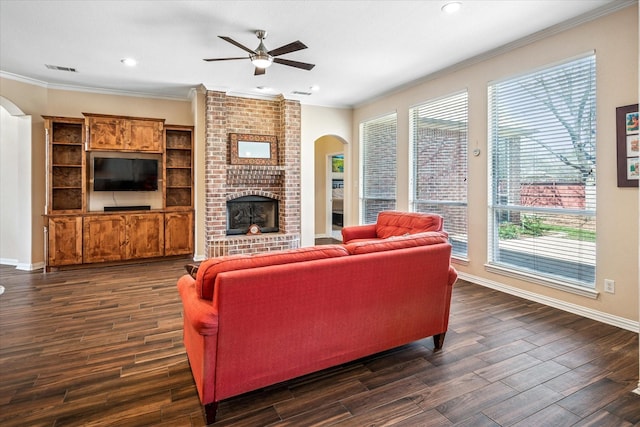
{"type": "Point", "coordinates": [378, 167]}
{"type": "Point", "coordinates": [438, 132]}
{"type": "Point", "coordinates": [543, 175]}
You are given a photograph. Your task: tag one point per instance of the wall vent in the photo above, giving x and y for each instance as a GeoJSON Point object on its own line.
{"type": "Point", "coordinates": [59, 68]}
{"type": "Point", "coordinates": [299, 92]}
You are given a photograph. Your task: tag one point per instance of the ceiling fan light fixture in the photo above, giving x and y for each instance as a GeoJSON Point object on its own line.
{"type": "Point", "coordinates": [261, 59]}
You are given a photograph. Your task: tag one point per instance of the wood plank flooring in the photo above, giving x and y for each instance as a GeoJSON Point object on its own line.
{"type": "Point", "coordinates": [103, 347]}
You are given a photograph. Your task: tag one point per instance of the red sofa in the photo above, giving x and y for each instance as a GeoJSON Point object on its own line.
{"type": "Point", "coordinates": [394, 223]}
{"type": "Point", "coordinates": [253, 321]}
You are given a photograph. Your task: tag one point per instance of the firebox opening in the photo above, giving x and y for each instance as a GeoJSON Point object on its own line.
{"type": "Point", "coordinates": [244, 211]}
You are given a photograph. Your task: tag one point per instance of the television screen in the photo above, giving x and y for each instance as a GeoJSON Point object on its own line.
{"type": "Point", "coordinates": [118, 174]}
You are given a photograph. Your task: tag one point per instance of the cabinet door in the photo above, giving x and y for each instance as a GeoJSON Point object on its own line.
{"type": "Point", "coordinates": [65, 241]}
{"type": "Point", "coordinates": [104, 238]}
{"type": "Point", "coordinates": [146, 135]}
{"type": "Point", "coordinates": [106, 133]}
{"type": "Point", "coordinates": [178, 232]}
{"type": "Point", "coordinates": [145, 235]}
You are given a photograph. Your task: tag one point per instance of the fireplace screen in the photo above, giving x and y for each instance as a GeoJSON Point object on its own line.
{"type": "Point", "coordinates": [245, 211]}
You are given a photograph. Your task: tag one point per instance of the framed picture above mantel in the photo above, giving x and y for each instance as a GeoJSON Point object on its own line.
{"type": "Point", "coordinates": [247, 149]}
{"type": "Point", "coordinates": [628, 145]}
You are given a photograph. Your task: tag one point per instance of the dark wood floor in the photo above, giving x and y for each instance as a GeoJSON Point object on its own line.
{"type": "Point", "coordinates": [103, 346]}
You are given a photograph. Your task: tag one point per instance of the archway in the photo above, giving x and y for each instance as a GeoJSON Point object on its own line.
{"type": "Point", "coordinates": [15, 186]}
{"type": "Point", "coordinates": [328, 200]}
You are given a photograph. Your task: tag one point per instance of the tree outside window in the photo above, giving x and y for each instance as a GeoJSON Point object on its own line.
{"type": "Point", "coordinates": [543, 166]}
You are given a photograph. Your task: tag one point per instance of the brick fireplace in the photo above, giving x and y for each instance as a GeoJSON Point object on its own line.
{"type": "Point", "coordinates": [226, 182]}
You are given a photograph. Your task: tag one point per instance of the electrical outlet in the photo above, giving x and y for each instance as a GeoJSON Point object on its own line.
{"type": "Point", "coordinates": [609, 286]}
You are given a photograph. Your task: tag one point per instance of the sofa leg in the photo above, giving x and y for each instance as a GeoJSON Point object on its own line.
{"type": "Point", "coordinates": [438, 340]}
{"type": "Point", "coordinates": [210, 410]}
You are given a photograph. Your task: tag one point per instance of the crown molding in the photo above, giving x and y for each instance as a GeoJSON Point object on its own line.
{"type": "Point", "coordinates": [22, 79]}
{"type": "Point", "coordinates": [87, 89]}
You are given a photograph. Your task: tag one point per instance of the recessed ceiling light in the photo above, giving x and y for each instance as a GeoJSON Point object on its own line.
{"type": "Point", "coordinates": [451, 7]}
{"type": "Point", "coordinates": [129, 62]}
{"type": "Point", "coordinates": [314, 88]}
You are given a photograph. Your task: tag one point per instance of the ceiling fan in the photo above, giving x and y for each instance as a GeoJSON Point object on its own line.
{"type": "Point", "coordinates": [262, 58]}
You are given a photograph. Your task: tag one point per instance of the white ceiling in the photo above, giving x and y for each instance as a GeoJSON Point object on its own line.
{"type": "Point", "coordinates": [362, 49]}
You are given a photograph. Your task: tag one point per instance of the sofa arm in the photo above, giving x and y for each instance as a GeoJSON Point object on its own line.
{"type": "Point", "coordinates": [200, 313]}
{"type": "Point", "coordinates": [359, 232]}
{"type": "Point", "coordinates": [453, 276]}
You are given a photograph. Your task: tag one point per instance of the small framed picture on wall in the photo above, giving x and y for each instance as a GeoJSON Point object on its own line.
{"type": "Point", "coordinates": [628, 146]}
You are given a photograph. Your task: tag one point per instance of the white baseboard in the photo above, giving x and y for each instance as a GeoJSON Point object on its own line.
{"type": "Point", "coordinates": [637, 391]}
{"type": "Point", "coordinates": [29, 267]}
{"type": "Point", "coordinates": [607, 318]}
{"type": "Point", "coordinates": [21, 265]}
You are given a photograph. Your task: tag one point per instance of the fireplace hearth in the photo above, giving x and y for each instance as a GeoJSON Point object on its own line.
{"type": "Point", "coordinates": [242, 212]}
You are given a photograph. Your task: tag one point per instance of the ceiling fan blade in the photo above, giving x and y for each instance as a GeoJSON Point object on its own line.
{"type": "Point", "coordinates": [291, 47]}
{"type": "Point", "coordinates": [235, 43]}
{"type": "Point", "coordinates": [259, 71]}
{"type": "Point", "coordinates": [225, 59]}
{"type": "Point", "coordinates": [296, 64]}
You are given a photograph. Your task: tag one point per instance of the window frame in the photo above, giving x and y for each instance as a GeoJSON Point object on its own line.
{"type": "Point", "coordinates": [495, 207]}
{"type": "Point", "coordinates": [455, 107]}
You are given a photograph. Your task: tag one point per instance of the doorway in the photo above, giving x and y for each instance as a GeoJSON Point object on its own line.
{"type": "Point", "coordinates": [335, 194]}
{"type": "Point", "coordinates": [327, 226]}
{"type": "Point", "coordinates": [16, 191]}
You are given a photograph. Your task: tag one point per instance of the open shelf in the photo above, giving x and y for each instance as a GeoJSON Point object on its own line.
{"type": "Point", "coordinates": [66, 164]}
{"type": "Point", "coordinates": [66, 133]}
{"type": "Point", "coordinates": [178, 164]}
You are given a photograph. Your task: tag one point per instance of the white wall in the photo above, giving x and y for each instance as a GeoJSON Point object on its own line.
{"type": "Point", "coordinates": [15, 188]}
{"type": "Point", "coordinates": [9, 199]}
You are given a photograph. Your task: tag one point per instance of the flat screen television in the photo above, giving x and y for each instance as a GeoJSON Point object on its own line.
{"type": "Point", "coordinates": [120, 174]}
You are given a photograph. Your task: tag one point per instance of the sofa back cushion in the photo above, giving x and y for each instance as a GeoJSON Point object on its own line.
{"type": "Point", "coordinates": [209, 269]}
{"type": "Point", "coordinates": [396, 242]}
{"type": "Point", "coordinates": [394, 223]}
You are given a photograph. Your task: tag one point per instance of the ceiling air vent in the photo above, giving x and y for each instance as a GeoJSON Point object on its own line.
{"type": "Point", "coordinates": [299, 92]}
{"type": "Point", "coordinates": [59, 68]}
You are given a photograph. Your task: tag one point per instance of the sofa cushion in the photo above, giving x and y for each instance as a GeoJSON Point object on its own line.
{"type": "Point", "coordinates": [209, 269]}
{"type": "Point", "coordinates": [395, 223]}
{"type": "Point", "coordinates": [396, 242]}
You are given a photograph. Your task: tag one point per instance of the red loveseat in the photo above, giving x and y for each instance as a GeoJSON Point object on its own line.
{"type": "Point", "coordinates": [394, 223]}
{"type": "Point", "coordinates": [253, 321]}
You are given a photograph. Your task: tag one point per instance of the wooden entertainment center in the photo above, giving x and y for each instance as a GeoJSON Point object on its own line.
{"type": "Point", "coordinates": [79, 233]}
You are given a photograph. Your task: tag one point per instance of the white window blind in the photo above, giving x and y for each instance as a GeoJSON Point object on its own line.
{"type": "Point", "coordinates": [543, 163]}
{"type": "Point", "coordinates": [378, 167]}
{"type": "Point", "coordinates": [438, 132]}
